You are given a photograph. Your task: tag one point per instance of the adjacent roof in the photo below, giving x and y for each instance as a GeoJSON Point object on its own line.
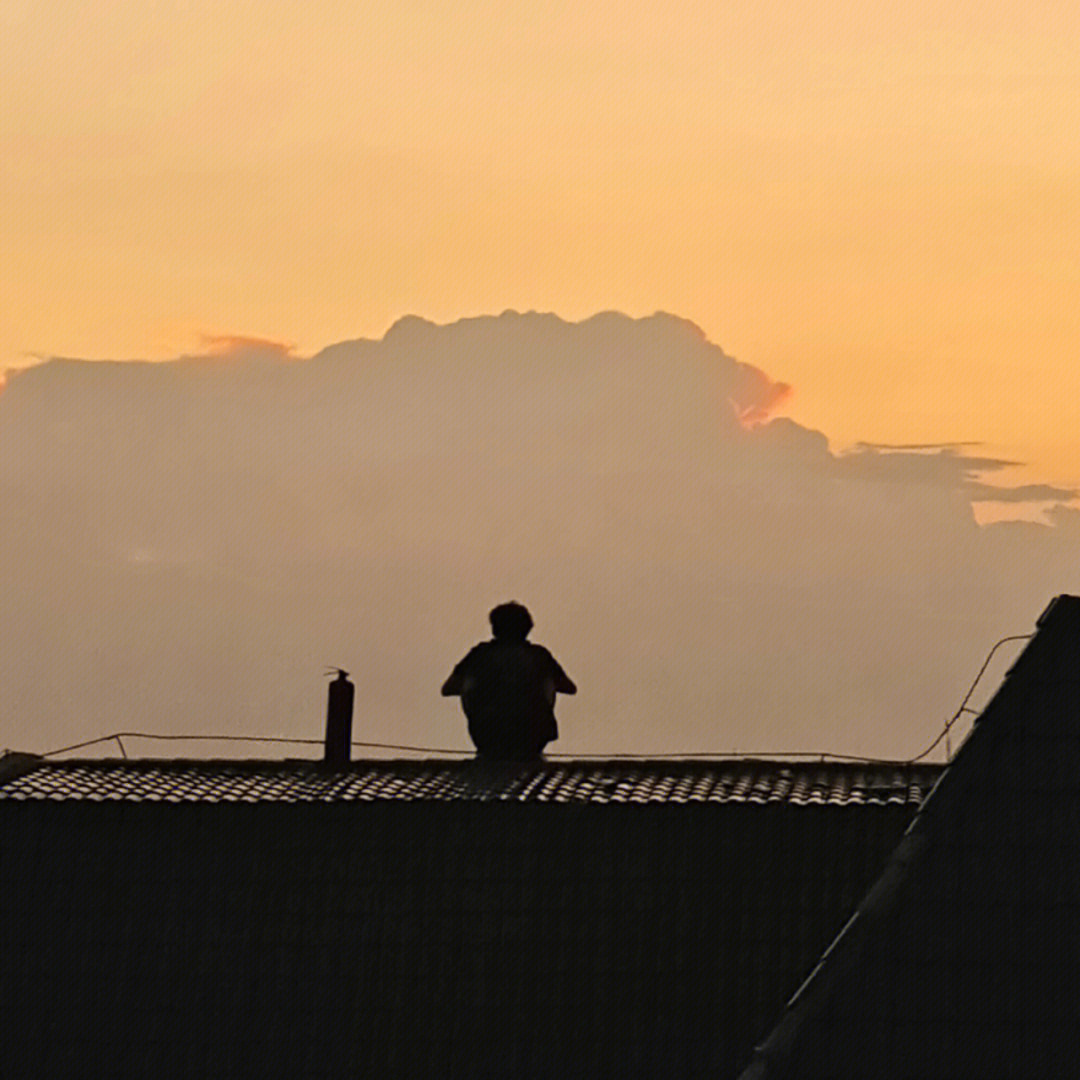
{"type": "Point", "coordinates": [963, 960]}
{"type": "Point", "coordinates": [731, 781]}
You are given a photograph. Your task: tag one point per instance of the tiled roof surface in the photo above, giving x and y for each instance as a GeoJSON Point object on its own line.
{"type": "Point", "coordinates": [721, 781]}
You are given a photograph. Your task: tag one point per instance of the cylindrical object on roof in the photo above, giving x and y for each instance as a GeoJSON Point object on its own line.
{"type": "Point", "coordinates": [339, 707]}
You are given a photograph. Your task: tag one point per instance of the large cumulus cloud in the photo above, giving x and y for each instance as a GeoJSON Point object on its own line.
{"type": "Point", "coordinates": [188, 544]}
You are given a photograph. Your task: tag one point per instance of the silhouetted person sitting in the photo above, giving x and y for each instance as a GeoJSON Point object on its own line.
{"type": "Point", "coordinates": [508, 687]}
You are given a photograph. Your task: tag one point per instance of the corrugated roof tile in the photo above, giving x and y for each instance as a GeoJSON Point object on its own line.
{"type": "Point", "coordinates": [716, 781]}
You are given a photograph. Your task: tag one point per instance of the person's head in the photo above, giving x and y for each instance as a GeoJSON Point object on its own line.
{"type": "Point", "coordinates": [511, 621]}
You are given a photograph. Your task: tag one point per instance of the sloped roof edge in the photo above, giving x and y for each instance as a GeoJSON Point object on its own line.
{"type": "Point", "coordinates": [1051, 654]}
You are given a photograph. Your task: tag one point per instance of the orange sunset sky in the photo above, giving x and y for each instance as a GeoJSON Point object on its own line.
{"type": "Point", "coordinates": [878, 203]}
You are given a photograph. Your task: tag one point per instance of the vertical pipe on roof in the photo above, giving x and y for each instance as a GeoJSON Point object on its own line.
{"type": "Point", "coordinates": [339, 709]}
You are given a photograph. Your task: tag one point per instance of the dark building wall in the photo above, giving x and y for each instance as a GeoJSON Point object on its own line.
{"type": "Point", "coordinates": [413, 938]}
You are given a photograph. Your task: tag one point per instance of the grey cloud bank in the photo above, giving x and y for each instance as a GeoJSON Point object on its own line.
{"type": "Point", "coordinates": [187, 545]}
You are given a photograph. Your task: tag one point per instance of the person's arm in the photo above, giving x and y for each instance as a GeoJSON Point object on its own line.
{"type": "Point", "coordinates": [461, 678]}
{"type": "Point", "coordinates": [563, 683]}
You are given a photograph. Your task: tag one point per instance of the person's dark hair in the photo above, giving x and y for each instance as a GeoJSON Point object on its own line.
{"type": "Point", "coordinates": [511, 620]}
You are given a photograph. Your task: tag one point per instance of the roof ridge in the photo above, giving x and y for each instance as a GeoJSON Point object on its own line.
{"type": "Point", "coordinates": [212, 781]}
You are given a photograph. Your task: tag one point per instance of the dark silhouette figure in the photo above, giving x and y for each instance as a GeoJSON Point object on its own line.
{"type": "Point", "coordinates": [507, 688]}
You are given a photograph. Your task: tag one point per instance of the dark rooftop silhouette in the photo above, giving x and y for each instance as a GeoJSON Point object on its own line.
{"type": "Point", "coordinates": [467, 919]}
{"type": "Point", "coordinates": [423, 918]}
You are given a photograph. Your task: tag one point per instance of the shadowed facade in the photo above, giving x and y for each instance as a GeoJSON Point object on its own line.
{"type": "Point", "coordinates": [423, 919]}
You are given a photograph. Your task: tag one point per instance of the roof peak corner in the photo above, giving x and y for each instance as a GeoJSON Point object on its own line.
{"type": "Point", "coordinates": [1054, 645]}
{"type": "Point", "coordinates": [1062, 606]}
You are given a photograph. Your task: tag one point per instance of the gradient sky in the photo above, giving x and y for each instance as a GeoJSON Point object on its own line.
{"type": "Point", "coordinates": [877, 203]}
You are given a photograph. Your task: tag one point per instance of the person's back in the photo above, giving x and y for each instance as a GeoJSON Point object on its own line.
{"type": "Point", "coordinates": [508, 687]}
